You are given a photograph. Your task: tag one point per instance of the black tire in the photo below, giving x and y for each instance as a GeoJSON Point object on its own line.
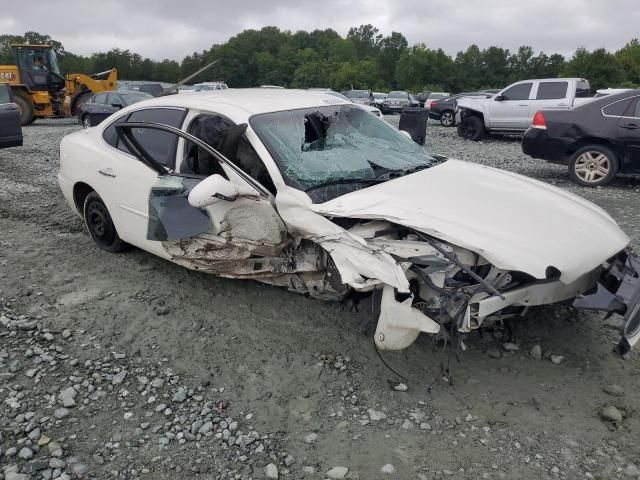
{"type": "Point", "coordinates": [100, 225]}
{"type": "Point", "coordinates": [593, 166]}
{"type": "Point", "coordinates": [471, 128]}
{"type": "Point", "coordinates": [86, 121]}
{"type": "Point", "coordinates": [25, 106]}
{"type": "Point", "coordinates": [447, 118]}
{"type": "Point", "coordinates": [79, 99]}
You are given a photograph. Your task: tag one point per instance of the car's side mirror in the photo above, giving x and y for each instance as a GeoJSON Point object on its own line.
{"type": "Point", "coordinates": [212, 189]}
{"type": "Point", "coordinates": [500, 98]}
{"type": "Point", "coordinates": [116, 105]}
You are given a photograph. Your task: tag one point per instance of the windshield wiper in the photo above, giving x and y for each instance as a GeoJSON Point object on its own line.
{"type": "Point", "coordinates": [346, 181]}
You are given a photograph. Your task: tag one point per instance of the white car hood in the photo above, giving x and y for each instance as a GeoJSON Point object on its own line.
{"type": "Point", "coordinates": [473, 103]}
{"type": "Point", "coordinates": [516, 223]}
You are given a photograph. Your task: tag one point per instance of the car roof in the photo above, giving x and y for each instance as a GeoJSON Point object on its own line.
{"type": "Point", "coordinates": [251, 100]}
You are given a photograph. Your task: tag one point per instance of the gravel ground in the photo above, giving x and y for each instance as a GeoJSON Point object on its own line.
{"type": "Point", "coordinates": [126, 366]}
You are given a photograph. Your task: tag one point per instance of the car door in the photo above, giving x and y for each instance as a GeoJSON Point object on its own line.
{"type": "Point", "coordinates": [510, 109]}
{"type": "Point", "coordinates": [10, 128]}
{"type": "Point", "coordinates": [549, 95]}
{"type": "Point", "coordinates": [124, 182]}
{"type": "Point", "coordinates": [95, 109]}
{"type": "Point", "coordinates": [240, 237]}
{"type": "Point", "coordinates": [629, 135]}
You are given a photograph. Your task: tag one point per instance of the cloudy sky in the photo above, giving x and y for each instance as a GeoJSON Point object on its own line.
{"type": "Point", "coordinates": [174, 28]}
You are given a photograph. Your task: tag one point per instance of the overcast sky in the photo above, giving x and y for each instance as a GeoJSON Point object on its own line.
{"type": "Point", "coordinates": [174, 28]}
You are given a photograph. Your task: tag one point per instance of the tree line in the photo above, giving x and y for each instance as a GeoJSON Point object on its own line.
{"type": "Point", "coordinates": [364, 59]}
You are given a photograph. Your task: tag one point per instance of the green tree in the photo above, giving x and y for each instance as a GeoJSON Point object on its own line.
{"type": "Point", "coordinates": [600, 67]}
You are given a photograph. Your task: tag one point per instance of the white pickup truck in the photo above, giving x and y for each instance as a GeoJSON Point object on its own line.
{"type": "Point", "coordinates": [511, 110]}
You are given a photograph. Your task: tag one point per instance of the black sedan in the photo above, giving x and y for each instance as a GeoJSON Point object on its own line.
{"type": "Point", "coordinates": [10, 128]}
{"type": "Point", "coordinates": [101, 105]}
{"type": "Point", "coordinates": [596, 140]}
{"type": "Point", "coordinates": [444, 109]}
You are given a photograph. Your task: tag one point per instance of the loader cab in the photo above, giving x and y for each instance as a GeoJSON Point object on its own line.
{"type": "Point", "coordinates": [38, 67]}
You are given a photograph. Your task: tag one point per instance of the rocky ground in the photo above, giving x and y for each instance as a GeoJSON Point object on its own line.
{"type": "Point", "coordinates": [126, 366]}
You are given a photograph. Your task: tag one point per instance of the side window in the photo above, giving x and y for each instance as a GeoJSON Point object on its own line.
{"type": "Point", "coordinates": [100, 98]}
{"type": "Point", "coordinates": [636, 113]}
{"type": "Point", "coordinates": [5, 96]}
{"type": "Point", "coordinates": [228, 139]}
{"type": "Point", "coordinates": [518, 92]}
{"type": "Point", "coordinates": [618, 108]}
{"type": "Point", "coordinates": [160, 145]}
{"type": "Point", "coordinates": [552, 90]}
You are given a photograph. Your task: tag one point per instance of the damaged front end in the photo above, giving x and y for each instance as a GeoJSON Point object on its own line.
{"type": "Point", "coordinates": [452, 286]}
{"type": "Point", "coordinates": [618, 291]}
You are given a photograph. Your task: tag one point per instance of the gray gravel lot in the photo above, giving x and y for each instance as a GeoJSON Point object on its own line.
{"type": "Point", "coordinates": [126, 366]}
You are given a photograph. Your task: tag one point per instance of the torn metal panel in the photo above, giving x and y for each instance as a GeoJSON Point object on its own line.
{"type": "Point", "coordinates": [171, 217]}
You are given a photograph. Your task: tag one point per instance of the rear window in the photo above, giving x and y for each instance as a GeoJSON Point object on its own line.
{"type": "Point", "coordinates": [100, 98]}
{"type": "Point", "coordinates": [618, 108]}
{"type": "Point", "coordinates": [552, 90]}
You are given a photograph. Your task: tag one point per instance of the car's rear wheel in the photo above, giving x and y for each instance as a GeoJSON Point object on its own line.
{"type": "Point", "coordinates": [100, 225]}
{"type": "Point", "coordinates": [471, 128]}
{"type": "Point", "coordinates": [447, 119]}
{"type": "Point", "coordinates": [86, 122]}
{"type": "Point", "coordinates": [593, 166]}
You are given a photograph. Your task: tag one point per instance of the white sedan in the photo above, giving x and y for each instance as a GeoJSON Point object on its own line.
{"type": "Point", "coordinates": [310, 192]}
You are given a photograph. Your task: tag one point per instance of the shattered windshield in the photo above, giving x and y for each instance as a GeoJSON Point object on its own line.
{"type": "Point", "coordinates": [343, 144]}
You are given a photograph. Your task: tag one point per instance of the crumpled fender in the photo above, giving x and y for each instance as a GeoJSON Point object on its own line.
{"type": "Point", "coordinates": [357, 261]}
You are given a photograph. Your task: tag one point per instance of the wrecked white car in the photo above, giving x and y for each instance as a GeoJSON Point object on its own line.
{"type": "Point", "coordinates": [307, 191]}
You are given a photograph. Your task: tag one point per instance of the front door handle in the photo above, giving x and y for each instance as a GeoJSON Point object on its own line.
{"type": "Point", "coordinates": [630, 126]}
{"type": "Point", "coordinates": [107, 172]}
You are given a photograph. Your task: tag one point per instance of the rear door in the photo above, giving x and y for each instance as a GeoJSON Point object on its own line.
{"type": "Point", "coordinates": [237, 237]}
{"type": "Point", "coordinates": [549, 94]}
{"type": "Point", "coordinates": [510, 109]}
{"type": "Point", "coordinates": [629, 135]}
{"type": "Point", "coordinates": [10, 129]}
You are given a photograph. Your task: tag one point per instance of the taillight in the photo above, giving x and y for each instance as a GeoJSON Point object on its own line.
{"type": "Point", "coordinates": [433, 104]}
{"type": "Point", "coordinates": [538, 121]}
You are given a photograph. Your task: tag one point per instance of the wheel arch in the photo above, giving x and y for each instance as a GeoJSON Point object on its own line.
{"type": "Point", "coordinates": [80, 192]}
{"type": "Point", "coordinates": [591, 140]}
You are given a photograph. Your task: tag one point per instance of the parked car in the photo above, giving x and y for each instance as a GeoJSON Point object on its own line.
{"type": "Point", "coordinates": [378, 98]}
{"type": "Point", "coordinates": [360, 211]}
{"type": "Point", "coordinates": [511, 110]}
{"type": "Point", "coordinates": [444, 109]}
{"type": "Point", "coordinates": [359, 96]}
{"type": "Point", "coordinates": [10, 125]}
{"type": "Point", "coordinates": [434, 96]}
{"type": "Point", "coordinates": [154, 89]}
{"type": "Point", "coordinates": [397, 101]}
{"type": "Point", "coordinates": [198, 87]}
{"type": "Point", "coordinates": [596, 140]}
{"type": "Point", "coordinates": [422, 97]}
{"type": "Point", "coordinates": [104, 104]}
{"type": "Point", "coordinates": [369, 108]}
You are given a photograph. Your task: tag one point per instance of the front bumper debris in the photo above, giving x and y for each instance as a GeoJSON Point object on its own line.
{"type": "Point", "coordinates": [618, 291]}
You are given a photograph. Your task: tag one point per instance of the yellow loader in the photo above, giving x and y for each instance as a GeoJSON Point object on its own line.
{"type": "Point", "coordinates": [41, 91]}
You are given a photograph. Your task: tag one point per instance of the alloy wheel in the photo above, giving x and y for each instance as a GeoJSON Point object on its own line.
{"type": "Point", "coordinates": [592, 167]}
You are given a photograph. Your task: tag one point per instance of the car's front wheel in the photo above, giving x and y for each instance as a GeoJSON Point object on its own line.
{"type": "Point", "coordinates": [86, 121]}
{"type": "Point", "coordinates": [471, 128]}
{"type": "Point", "coordinates": [447, 119]}
{"type": "Point", "coordinates": [593, 166]}
{"type": "Point", "coordinates": [100, 225]}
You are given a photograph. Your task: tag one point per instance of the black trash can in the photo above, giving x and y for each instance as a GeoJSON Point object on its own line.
{"type": "Point", "coordinates": [414, 121]}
